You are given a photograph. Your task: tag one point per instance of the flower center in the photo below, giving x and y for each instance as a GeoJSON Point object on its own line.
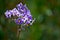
{"type": "Point", "coordinates": [18, 20]}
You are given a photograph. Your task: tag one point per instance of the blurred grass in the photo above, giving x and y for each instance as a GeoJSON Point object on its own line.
{"type": "Point", "coordinates": [45, 27]}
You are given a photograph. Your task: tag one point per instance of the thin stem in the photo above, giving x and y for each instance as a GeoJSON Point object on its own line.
{"type": "Point", "coordinates": [18, 31]}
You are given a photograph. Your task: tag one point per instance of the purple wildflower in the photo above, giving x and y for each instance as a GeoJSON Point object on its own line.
{"type": "Point", "coordinates": [25, 18]}
{"type": "Point", "coordinates": [22, 8]}
{"type": "Point", "coordinates": [15, 12]}
{"type": "Point", "coordinates": [8, 14]}
{"type": "Point", "coordinates": [19, 6]}
{"type": "Point", "coordinates": [18, 21]}
{"type": "Point", "coordinates": [23, 14]}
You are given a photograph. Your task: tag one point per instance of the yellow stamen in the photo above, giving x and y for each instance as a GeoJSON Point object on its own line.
{"type": "Point", "coordinates": [18, 20]}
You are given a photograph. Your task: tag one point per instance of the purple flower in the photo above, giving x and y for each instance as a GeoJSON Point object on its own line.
{"type": "Point", "coordinates": [19, 5]}
{"type": "Point", "coordinates": [22, 13]}
{"type": "Point", "coordinates": [8, 14]}
{"type": "Point", "coordinates": [15, 12]}
{"type": "Point", "coordinates": [25, 18]}
{"type": "Point", "coordinates": [18, 21]}
{"type": "Point", "coordinates": [22, 8]}
{"type": "Point", "coordinates": [29, 20]}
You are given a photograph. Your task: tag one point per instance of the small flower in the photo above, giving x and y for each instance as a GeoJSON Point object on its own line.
{"type": "Point", "coordinates": [8, 14]}
{"type": "Point", "coordinates": [22, 8]}
{"type": "Point", "coordinates": [18, 21]}
{"type": "Point", "coordinates": [15, 12]}
{"type": "Point", "coordinates": [19, 5]}
{"type": "Point", "coordinates": [25, 18]}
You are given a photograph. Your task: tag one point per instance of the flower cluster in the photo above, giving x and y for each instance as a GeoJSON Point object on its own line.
{"type": "Point", "coordinates": [22, 13]}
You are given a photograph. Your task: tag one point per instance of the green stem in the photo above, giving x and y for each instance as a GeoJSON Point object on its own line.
{"type": "Point", "coordinates": [18, 32]}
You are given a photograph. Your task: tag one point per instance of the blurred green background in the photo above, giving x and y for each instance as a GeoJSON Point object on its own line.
{"type": "Point", "coordinates": [45, 27]}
